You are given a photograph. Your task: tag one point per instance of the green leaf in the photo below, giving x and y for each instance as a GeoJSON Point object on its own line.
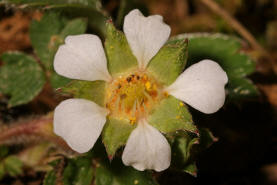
{"type": "Point", "coordinates": [241, 88]}
{"type": "Point", "coordinates": [78, 171]}
{"type": "Point", "coordinates": [50, 178]}
{"type": "Point", "coordinates": [103, 176]}
{"type": "Point", "coordinates": [90, 9]}
{"type": "Point", "coordinates": [185, 146]}
{"type": "Point", "coordinates": [48, 34]}
{"type": "Point", "coordinates": [119, 54]}
{"type": "Point", "coordinates": [171, 115]}
{"type": "Point", "coordinates": [45, 38]}
{"type": "Point", "coordinates": [90, 90]}
{"type": "Point", "coordinates": [227, 52]}
{"type": "Point", "coordinates": [74, 27]}
{"type": "Point", "coordinates": [118, 174]}
{"type": "Point", "coordinates": [181, 152]}
{"type": "Point", "coordinates": [13, 166]}
{"type": "Point", "coordinates": [115, 134]}
{"type": "Point", "coordinates": [169, 63]}
{"type": "Point", "coordinates": [21, 77]}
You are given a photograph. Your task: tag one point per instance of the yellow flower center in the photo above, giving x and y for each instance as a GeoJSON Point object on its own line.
{"type": "Point", "coordinates": [132, 96]}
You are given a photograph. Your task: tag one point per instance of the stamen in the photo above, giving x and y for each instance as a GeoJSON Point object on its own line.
{"type": "Point", "coordinates": [133, 96]}
{"type": "Point", "coordinates": [123, 106]}
{"type": "Point", "coordinates": [132, 120]}
{"type": "Point", "coordinates": [117, 103]}
{"type": "Point", "coordinates": [145, 108]}
{"type": "Point", "coordinates": [149, 98]}
{"type": "Point", "coordinates": [134, 108]}
{"type": "Point", "coordinates": [148, 86]}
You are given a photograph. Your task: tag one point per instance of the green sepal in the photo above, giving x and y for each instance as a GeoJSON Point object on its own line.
{"type": "Point", "coordinates": [182, 148]}
{"type": "Point", "coordinates": [21, 77]}
{"type": "Point", "coordinates": [118, 174]}
{"type": "Point", "coordinates": [78, 171]}
{"type": "Point", "coordinates": [115, 134]}
{"type": "Point", "coordinates": [169, 62]}
{"type": "Point", "coordinates": [171, 115]}
{"type": "Point", "coordinates": [186, 146]}
{"type": "Point", "coordinates": [90, 90]}
{"type": "Point", "coordinates": [119, 55]}
{"type": "Point", "coordinates": [227, 52]}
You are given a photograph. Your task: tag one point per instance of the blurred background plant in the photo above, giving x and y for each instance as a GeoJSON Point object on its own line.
{"type": "Point", "coordinates": [237, 145]}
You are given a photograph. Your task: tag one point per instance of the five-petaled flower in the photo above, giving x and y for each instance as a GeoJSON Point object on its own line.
{"type": "Point", "coordinates": [132, 95]}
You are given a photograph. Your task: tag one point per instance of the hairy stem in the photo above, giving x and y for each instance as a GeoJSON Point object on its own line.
{"type": "Point", "coordinates": [34, 130]}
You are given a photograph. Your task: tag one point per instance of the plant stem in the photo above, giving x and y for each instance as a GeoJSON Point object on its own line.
{"type": "Point", "coordinates": [34, 130]}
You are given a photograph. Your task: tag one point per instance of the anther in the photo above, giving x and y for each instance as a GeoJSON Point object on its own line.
{"type": "Point", "coordinates": [129, 79]}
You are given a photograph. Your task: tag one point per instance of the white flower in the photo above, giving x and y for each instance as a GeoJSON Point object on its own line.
{"type": "Point", "coordinates": [80, 121]}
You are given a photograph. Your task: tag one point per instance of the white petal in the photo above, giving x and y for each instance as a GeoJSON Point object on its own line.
{"type": "Point", "coordinates": [82, 57]}
{"type": "Point", "coordinates": [147, 148]}
{"type": "Point", "coordinates": [145, 35]}
{"type": "Point", "coordinates": [79, 122]}
{"type": "Point", "coordinates": [201, 86]}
